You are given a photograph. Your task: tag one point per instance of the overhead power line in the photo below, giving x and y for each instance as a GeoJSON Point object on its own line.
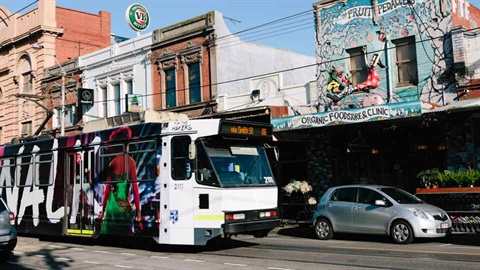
{"type": "Point", "coordinates": [286, 70]}
{"type": "Point", "coordinates": [27, 6]}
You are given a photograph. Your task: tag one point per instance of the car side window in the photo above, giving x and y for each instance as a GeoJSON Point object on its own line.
{"type": "Point", "coordinates": [369, 196]}
{"type": "Point", "coordinates": [344, 195]}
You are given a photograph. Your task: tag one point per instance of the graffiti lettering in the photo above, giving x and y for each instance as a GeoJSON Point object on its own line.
{"type": "Point", "coordinates": [365, 12]}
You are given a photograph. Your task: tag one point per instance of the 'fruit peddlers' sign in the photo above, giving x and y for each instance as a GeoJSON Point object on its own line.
{"type": "Point", "coordinates": [137, 17]}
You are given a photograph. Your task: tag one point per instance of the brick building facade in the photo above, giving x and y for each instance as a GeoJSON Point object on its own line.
{"type": "Point", "coordinates": [59, 35]}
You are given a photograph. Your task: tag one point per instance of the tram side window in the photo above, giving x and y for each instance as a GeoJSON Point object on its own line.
{"type": "Point", "coordinates": [7, 172]}
{"type": "Point", "coordinates": [181, 164]}
{"type": "Point", "coordinates": [112, 163]}
{"type": "Point", "coordinates": [24, 175]}
{"type": "Point", "coordinates": [206, 175]}
{"type": "Point", "coordinates": [143, 153]}
{"type": "Point", "coordinates": [43, 169]}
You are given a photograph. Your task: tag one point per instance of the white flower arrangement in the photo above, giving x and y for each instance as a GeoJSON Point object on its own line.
{"type": "Point", "coordinates": [302, 187]}
{"type": "Point", "coordinates": [312, 201]}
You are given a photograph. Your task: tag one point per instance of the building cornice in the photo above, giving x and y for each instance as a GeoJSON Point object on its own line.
{"type": "Point", "coordinates": [39, 29]}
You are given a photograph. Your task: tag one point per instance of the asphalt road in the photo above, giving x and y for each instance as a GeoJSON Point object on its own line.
{"type": "Point", "coordinates": [286, 248]}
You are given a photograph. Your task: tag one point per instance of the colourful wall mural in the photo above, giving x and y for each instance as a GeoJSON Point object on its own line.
{"type": "Point", "coordinates": [380, 29]}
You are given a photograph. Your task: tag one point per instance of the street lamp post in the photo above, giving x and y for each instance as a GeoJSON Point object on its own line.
{"type": "Point", "coordinates": [37, 46]}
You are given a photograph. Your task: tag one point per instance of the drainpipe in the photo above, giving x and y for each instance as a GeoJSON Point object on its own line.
{"type": "Point", "coordinates": [389, 64]}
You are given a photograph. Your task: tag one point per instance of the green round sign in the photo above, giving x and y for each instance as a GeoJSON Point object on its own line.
{"type": "Point", "coordinates": [137, 17]}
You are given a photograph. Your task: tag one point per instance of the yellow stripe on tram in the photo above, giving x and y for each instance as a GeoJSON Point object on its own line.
{"type": "Point", "coordinates": [78, 232]}
{"type": "Point", "coordinates": [209, 217]}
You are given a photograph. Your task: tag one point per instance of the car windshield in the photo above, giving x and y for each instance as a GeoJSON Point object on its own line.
{"type": "Point", "coordinates": [238, 164]}
{"type": "Point", "coordinates": [401, 196]}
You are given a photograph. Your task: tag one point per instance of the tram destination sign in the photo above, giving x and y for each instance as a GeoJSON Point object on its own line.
{"type": "Point", "coordinates": [236, 128]}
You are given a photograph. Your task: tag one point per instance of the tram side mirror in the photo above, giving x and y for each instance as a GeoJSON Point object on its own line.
{"type": "Point", "coordinates": [192, 151]}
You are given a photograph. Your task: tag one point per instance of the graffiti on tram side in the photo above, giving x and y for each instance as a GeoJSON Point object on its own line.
{"type": "Point", "coordinates": [108, 177]}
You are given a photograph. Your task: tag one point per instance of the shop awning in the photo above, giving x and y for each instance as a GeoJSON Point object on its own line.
{"type": "Point", "coordinates": [462, 105]}
{"type": "Point", "coordinates": [349, 116]}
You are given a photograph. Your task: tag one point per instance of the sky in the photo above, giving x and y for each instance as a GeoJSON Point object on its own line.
{"type": "Point", "coordinates": [297, 33]}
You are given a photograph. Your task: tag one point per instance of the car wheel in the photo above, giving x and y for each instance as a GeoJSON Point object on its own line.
{"type": "Point", "coordinates": [401, 232]}
{"type": "Point", "coordinates": [323, 229]}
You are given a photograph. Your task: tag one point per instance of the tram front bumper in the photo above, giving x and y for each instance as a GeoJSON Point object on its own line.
{"type": "Point", "coordinates": [251, 227]}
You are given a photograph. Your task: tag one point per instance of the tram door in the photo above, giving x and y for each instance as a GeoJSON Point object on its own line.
{"type": "Point", "coordinates": [79, 193]}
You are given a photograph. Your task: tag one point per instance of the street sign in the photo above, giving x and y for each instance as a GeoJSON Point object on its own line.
{"type": "Point", "coordinates": [85, 96]}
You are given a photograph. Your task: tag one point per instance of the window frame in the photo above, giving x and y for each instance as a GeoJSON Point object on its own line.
{"type": "Point", "coordinates": [142, 151]}
{"type": "Point", "coordinates": [18, 169]}
{"type": "Point", "coordinates": [357, 73]}
{"type": "Point", "coordinates": [176, 159]}
{"type": "Point", "coordinates": [336, 191]}
{"type": "Point", "coordinates": [36, 165]}
{"type": "Point", "coordinates": [104, 167]}
{"type": "Point", "coordinates": [403, 63]}
{"type": "Point", "coordinates": [12, 177]}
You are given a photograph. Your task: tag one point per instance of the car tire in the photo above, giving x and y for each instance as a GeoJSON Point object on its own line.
{"type": "Point", "coordinates": [401, 232]}
{"type": "Point", "coordinates": [4, 255]}
{"type": "Point", "coordinates": [323, 229]}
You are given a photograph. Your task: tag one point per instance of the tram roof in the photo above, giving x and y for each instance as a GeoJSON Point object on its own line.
{"type": "Point", "coordinates": [149, 116]}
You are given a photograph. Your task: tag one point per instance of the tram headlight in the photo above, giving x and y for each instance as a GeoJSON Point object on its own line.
{"type": "Point", "coordinates": [267, 214]}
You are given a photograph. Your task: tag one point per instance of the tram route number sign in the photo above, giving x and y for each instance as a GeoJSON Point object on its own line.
{"type": "Point", "coordinates": [245, 129]}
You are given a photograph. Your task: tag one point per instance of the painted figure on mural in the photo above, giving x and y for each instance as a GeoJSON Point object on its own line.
{"type": "Point", "coordinates": [117, 213]}
{"type": "Point", "coordinates": [338, 80]}
{"type": "Point", "coordinates": [372, 81]}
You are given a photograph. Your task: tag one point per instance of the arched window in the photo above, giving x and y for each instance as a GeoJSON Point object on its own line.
{"type": "Point", "coordinates": [25, 74]}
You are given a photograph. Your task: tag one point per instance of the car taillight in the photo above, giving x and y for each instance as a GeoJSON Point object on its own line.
{"type": "Point", "coordinates": [234, 216]}
{"type": "Point", "coordinates": [266, 214]}
{"type": "Point", "coordinates": [12, 218]}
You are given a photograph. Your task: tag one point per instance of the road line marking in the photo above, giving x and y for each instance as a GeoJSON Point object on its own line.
{"type": "Point", "coordinates": [409, 251]}
{"type": "Point", "coordinates": [191, 260]}
{"type": "Point", "coordinates": [468, 247]}
{"type": "Point", "coordinates": [55, 246]}
{"type": "Point", "coordinates": [123, 266]}
{"type": "Point", "coordinates": [129, 254]}
{"type": "Point", "coordinates": [18, 252]}
{"type": "Point", "coordinates": [91, 262]}
{"type": "Point", "coordinates": [62, 259]}
{"type": "Point", "coordinates": [40, 256]}
{"type": "Point", "coordinates": [445, 245]}
{"type": "Point", "coordinates": [101, 251]}
{"type": "Point", "coordinates": [235, 264]}
{"type": "Point", "coordinates": [277, 268]}
{"type": "Point", "coordinates": [158, 257]}
{"type": "Point", "coordinates": [77, 248]}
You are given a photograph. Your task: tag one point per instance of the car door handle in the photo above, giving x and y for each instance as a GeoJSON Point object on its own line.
{"type": "Point", "coordinates": [330, 205]}
{"type": "Point", "coordinates": [357, 207]}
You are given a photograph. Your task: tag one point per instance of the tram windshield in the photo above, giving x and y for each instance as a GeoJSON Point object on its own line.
{"type": "Point", "coordinates": [221, 163]}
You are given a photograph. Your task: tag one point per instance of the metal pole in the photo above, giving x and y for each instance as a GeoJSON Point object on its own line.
{"type": "Point", "coordinates": [62, 114]}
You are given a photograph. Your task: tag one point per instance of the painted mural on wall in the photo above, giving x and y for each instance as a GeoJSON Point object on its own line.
{"type": "Point", "coordinates": [345, 25]}
{"type": "Point", "coordinates": [111, 182]}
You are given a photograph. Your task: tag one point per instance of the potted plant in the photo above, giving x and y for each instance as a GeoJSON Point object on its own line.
{"type": "Point", "coordinates": [429, 178]}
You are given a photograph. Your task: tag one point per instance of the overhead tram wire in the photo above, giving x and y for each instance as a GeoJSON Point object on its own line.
{"type": "Point", "coordinates": [20, 10]}
{"type": "Point", "coordinates": [221, 44]}
{"type": "Point", "coordinates": [235, 34]}
{"type": "Point", "coordinates": [238, 42]}
{"type": "Point", "coordinates": [286, 70]}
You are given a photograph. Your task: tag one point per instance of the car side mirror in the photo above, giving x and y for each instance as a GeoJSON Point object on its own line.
{"type": "Point", "coordinates": [380, 203]}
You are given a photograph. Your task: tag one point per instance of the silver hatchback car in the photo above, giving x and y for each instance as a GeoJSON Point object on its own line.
{"type": "Point", "coordinates": [375, 209]}
{"type": "Point", "coordinates": [8, 234]}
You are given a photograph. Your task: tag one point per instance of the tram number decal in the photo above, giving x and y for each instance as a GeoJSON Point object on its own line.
{"type": "Point", "coordinates": [268, 180]}
{"type": "Point", "coordinates": [178, 186]}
